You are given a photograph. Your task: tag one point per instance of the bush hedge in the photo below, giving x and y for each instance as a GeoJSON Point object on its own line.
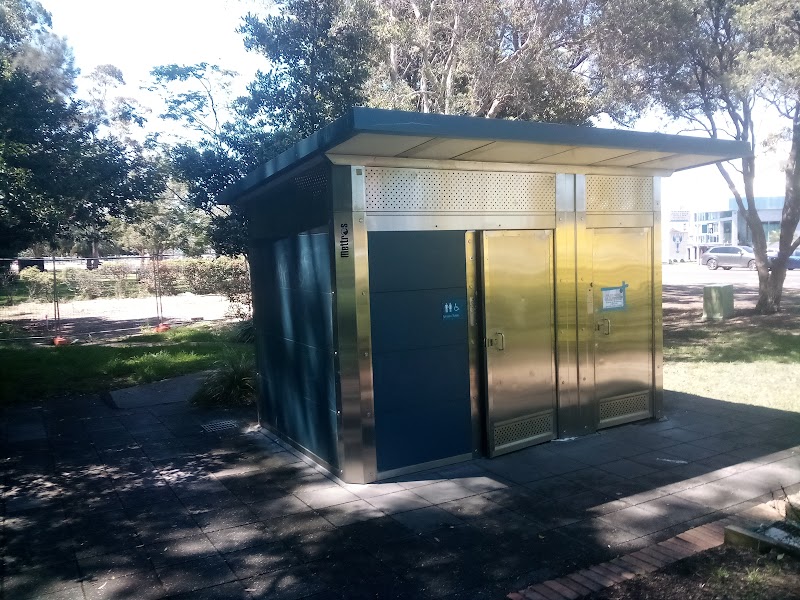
{"type": "Point", "coordinates": [225, 276]}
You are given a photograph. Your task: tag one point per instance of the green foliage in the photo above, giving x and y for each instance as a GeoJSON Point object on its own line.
{"type": "Point", "coordinates": [227, 276]}
{"type": "Point", "coordinates": [93, 368]}
{"type": "Point", "coordinates": [170, 281]}
{"type": "Point", "coordinates": [319, 53]}
{"type": "Point", "coordinates": [232, 382]}
{"type": "Point", "coordinates": [84, 284]}
{"type": "Point", "coordinates": [56, 170]}
{"type": "Point", "coordinates": [494, 58]}
{"type": "Point", "coordinates": [244, 332]}
{"type": "Point", "coordinates": [38, 283]}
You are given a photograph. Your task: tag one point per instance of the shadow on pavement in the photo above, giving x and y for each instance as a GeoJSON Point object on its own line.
{"type": "Point", "coordinates": [107, 503]}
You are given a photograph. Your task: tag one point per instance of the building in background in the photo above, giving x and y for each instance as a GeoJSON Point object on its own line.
{"type": "Point", "coordinates": [688, 234]}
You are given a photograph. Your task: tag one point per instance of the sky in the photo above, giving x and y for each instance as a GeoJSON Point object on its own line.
{"type": "Point", "coordinates": [139, 35]}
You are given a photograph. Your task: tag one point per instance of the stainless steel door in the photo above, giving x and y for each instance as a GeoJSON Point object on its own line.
{"type": "Point", "coordinates": [623, 323]}
{"type": "Point", "coordinates": [520, 368]}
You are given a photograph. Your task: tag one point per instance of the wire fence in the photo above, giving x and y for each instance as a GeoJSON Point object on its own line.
{"type": "Point", "coordinates": [89, 299]}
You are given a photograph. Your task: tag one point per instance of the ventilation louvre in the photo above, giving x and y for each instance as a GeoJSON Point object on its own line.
{"type": "Point", "coordinates": [619, 194]}
{"type": "Point", "coordinates": [523, 429]}
{"type": "Point", "coordinates": [625, 408]}
{"type": "Point", "coordinates": [423, 190]}
{"type": "Point", "coordinates": [220, 425]}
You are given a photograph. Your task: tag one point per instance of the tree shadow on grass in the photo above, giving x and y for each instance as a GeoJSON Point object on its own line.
{"type": "Point", "coordinates": [746, 337]}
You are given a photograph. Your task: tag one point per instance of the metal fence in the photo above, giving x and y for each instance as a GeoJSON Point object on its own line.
{"type": "Point", "coordinates": [83, 300]}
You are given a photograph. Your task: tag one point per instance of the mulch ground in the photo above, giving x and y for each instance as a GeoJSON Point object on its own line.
{"type": "Point", "coordinates": [723, 573]}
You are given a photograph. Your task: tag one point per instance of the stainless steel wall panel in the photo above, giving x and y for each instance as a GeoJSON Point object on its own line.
{"type": "Point", "coordinates": [519, 316]}
{"type": "Point", "coordinates": [658, 317]}
{"type": "Point", "coordinates": [619, 220]}
{"type": "Point", "coordinates": [571, 417]}
{"type": "Point", "coordinates": [454, 222]}
{"type": "Point", "coordinates": [474, 327]}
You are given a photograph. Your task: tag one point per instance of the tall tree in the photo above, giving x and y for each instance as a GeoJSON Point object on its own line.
{"type": "Point", "coordinates": [524, 59]}
{"type": "Point", "coordinates": [56, 172]}
{"type": "Point", "coordinates": [319, 53]}
{"type": "Point", "coordinates": [774, 68]}
{"type": "Point", "coordinates": [691, 58]}
{"type": "Point", "coordinates": [221, 145]}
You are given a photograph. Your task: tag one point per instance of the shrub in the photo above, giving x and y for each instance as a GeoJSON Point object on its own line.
{"type": "Point", "coordinates": [232, 382]}
{"type": "Point", "coordinates": [38, 283]}
{"type": "Point", "coordinates": [169, 276]}
{"type": "Point", "coordinates": [244, 332]}
{"type": "Point", "coordinates": [201, 275]}
{"type": "Point", "coordinates": [86, 284]}
{"type": "Point", "coordinates": [119, 273]}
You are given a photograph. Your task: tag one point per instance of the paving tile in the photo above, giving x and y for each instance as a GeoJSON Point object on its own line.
{"type": "Point", "coordinates": [182, 550]}
{"type": "Point", "coordinates": [716, 495]}
{"type": "Point", "coordinates": [326, 496]}
{"type": "Point", "coordinates": [472, 507]}
{"type": "Point", "coordinates": [397, 502]}
{"type": "Point", "coordinates": [426, 519]}
{"type": "Point", "coordinates": [227, 591]}
{"type": "Point", "coordinates": [627, 468]}
{"type": "Point", "coordinates": [110, 565]}
{"type": "Point", "coordinates": [636, 520]}
{"type": "Point", "coordinates": [675, 509]}
{"type": "Point", "coordinates": [214, 520]}
{"type": "Point", "coordinates": [257, 560]}
{"type": "Point", "coordinates": [444, 491]}
{"type": "Point", "coordinates": [298, 525]}
{"type": "Point", "coordinates": [195, 575]}
{"type": "Point", "coordinates": [281, 506]}
{"type": "Point", "coordinates": [36, 582]}
{"type": "Point", "coordinates": [238, 538]}
{"type": "Point", "coordinates": [285, 584]}
{"type": "Point", "coordinates": [142, 586]}
{"type": "Point", "coordinates": [350, 512]}
{"type": "Point", "coordinates": [556, 487]}
{"type": "Point", "coordinates": [373, 490]}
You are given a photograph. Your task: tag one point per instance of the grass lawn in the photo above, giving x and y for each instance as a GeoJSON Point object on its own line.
{"type": "Point", "coordinates": [29, 372]}
{"type": "Point", "coordinates": [750, 359]}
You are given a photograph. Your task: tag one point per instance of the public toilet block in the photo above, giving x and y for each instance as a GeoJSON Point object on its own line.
{"type": "Point", "coordinates": [430, 288]}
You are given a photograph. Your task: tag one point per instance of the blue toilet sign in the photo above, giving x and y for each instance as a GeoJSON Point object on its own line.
{"type": "Point", "coordinates": [452, 309]}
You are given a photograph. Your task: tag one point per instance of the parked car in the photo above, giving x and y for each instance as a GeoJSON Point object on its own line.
{"type": "Point", "coordinates": [728, 257]}
{"type": "Point", "coordinates": [791, 264]}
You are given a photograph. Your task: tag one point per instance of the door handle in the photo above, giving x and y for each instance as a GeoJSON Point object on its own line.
{"type": "Point", "coordinates": [605, 323]}
{"type": "Point", "coordinates": [498, 341]}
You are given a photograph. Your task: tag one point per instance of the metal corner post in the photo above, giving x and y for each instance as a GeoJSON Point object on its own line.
{"type": "Point", "coordinates": [658, 317]}
{"type": "Point", "coordinates": [565, 307]}
{"type": "Point", "coordinates": [356, 418]}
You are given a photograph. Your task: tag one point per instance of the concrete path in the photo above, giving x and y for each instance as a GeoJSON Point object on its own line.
{"type": "Point", "coordinates": [144, 503]}
{"type": "Point", "coordinates": [168, 391]}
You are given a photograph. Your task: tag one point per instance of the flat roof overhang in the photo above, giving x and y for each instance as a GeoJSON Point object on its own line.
{"type": "Point", "coordinates": [373, 134]}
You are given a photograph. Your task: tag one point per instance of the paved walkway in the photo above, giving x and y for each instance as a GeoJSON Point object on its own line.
{"type": "Point", "coordinates": [144, 503]}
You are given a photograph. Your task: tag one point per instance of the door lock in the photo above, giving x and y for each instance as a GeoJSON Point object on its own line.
{"type": "Point", "coordinates": [497, 341]}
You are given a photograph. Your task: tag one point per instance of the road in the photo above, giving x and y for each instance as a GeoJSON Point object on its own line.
{"type": "Point", "coordinates": [694, 274]}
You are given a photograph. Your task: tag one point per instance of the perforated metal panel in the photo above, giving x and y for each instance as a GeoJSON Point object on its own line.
{"type": "Point", "coordinates": [523, 429]}
{"type": "Point", "coordinates": [619, 194]}
{"type": "Point", "coordinates": [423, 190]}
{"type": "Point", "coordinates": [624, 408]}
{"type": "Point", "coordinates": [313, 181]}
